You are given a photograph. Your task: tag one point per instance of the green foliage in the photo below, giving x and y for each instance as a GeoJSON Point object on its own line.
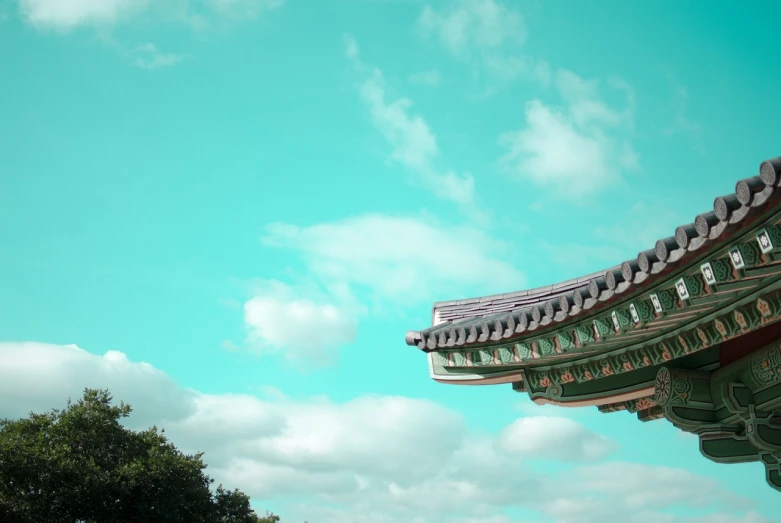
{"type": "Point", "coordinates": [81, 465]}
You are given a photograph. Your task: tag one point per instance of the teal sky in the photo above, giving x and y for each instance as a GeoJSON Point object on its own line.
{"type": "Point", "coordinates": [237, 208]}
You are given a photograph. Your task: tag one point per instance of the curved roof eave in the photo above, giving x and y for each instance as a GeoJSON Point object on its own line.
{"type": "Point", "coordinates": [502, 316]}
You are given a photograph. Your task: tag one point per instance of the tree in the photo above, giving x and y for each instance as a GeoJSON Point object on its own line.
{"type": "Point", "coordinates": [81, 465]}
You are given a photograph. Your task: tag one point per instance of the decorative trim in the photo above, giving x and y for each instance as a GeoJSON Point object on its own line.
{"type": "Point", "coordinates": [766, 365]}
{"type": "Point", "coordinates": [680, 287]}
{"type": "Point", "coordinates": [736, 257]}
{"type": "Point", "coordinates": [707, 273]}
{"type": "Point", "coordinates": [611, 329]}
{"type": "Point", "coordinates": [636, 395]}
{"type": "Point", "coordinates": [764, 241]}
{"type": "Point", "coordinates": [656, 303]}
{"type": "Point", "coordinates": [709, 331]}
{"type": "Point", "coordinates": [506, 316]}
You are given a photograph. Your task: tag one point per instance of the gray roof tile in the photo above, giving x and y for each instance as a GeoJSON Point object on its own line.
{"type": "Point", "coordinates": [478, 315]}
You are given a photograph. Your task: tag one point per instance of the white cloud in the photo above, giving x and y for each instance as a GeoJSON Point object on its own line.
{"type": "Point", "coordinates": [64, 15]}
{"type": "Point", "coordinates": [414, 145]}
{"type": "Point", "coordinates": [578, 148]}
{"type": "Point", "coordinates": [400, 259]}
{"type": "Point", "coordinates": [485, 33]}
{"type": "Point", "coordinates": [371, 263]}
{"type": "Point", "coordinates": [335, 462]}
{"type": "Point", "coordinates": [308, 331]}
{"type": "Point", "coordinates": [67, 14]}
{"type": "Point", "coordinates": [430, 78]}
{"type": "Point", "coordinates": [548, 437]}
{"type": "Point", "coordinates": [62, 371]}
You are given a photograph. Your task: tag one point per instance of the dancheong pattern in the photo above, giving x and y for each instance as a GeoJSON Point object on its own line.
{"type": "Point", "coordinates": [613, 342]}
{"type": "Point", "coordinates": [766, 365]}
{"type": "Point", "coordinates": [742, 320]}
{"type": "Point", "coordinates": [717, 279]}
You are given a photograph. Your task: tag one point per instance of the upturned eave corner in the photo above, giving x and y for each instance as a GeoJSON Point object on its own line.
{"type": "Point", "coordinates": [689, 331]}
{"type": "Point", "coordinates": [412, 338]}
{"type": "Point", "coordinates": [516, 315]}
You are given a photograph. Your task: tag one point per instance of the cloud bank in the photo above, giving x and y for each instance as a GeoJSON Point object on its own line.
{"type": "Point", "coordinates": [373, 458]}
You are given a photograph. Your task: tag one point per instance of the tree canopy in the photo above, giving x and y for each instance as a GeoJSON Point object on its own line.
{"type": "Point", "coordinates": [81, 464]}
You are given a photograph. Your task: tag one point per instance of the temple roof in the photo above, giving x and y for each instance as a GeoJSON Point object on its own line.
{"type": "Point", "coordinates": [505, 316]}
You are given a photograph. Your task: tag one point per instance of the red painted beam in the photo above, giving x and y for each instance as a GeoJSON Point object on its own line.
{"type": "Point", "coordinates": [734, 349]}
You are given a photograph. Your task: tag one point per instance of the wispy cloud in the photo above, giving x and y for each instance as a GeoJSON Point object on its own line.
{"type": "Point", "coordinates": [102, 16]}
{"type": "Point", "coordinates": [681, 124]}
{"type": "Point", "coordinates": [634, 229]}
{"type": "Point", "coordinates": [430, 78]}
{"type": "Point", "coordinates": [630, 233]}
{"type": "Point", "coordinates": [243, 8]}
{"type": "Point", "coordinates": [66, 15]}
{"type": "Point", "coordinates": [579, 146]}
{"type": "Point", "coordinates": [486, 34]}
{"type": "Point", "coordinates": [148, 56]}
{"type": "Point", "coordinates": [399, 259]}
{"type": "Point", "coordinates": [413, 144]}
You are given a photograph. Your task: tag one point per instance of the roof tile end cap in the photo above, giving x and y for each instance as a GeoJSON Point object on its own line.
{"type": "Point", "coordinates": [412, 338]}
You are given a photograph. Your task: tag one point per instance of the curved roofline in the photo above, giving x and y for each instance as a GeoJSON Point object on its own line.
{"type": "Point", "coordinates": [501, 316]}
{"type": "Point", "coordinates": [544, 290]}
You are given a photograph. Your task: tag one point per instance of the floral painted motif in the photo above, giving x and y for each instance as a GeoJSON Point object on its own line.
{"type": "Point", "coordinates": [686, 348]}
{"type": "Point", "coordinates": [766, 365]}
{"type": "Point", "coordinates": [721, 328]}
{"type": "Point", "coordinates": [642, 351]}
{"type": "Point", "coordinates": [703, 337]}
{"type": "Point", "coordinates": [764, 308]}
{"type": "Point", "coordinates": [741, 320]}
{"type": "Point", "coordinates": [644, 403]}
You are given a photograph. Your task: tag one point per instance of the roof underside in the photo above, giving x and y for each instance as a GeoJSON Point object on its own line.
{"type": "Point", "coordinates": [515, 315]}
